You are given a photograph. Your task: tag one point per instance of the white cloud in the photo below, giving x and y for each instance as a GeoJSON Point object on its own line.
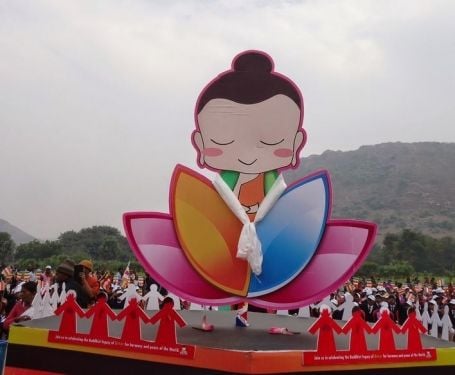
{"type": "Point", "coordinates": [97, 97]}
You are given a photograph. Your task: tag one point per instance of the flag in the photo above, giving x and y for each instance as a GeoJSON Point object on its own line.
{"type": "Point", "coordinates": [26, 276]}
{"type": "Point", "coordinates": [7, 273]}
{"type": "Point", "coordinates": [126, 277]}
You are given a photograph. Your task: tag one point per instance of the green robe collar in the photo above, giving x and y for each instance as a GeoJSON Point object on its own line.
{"type": "Point", "coordinates": [231, 178]}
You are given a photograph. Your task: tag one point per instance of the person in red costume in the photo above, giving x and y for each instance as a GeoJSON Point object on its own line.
{"type": "Point", "coordinates": [89, 283]}
{"type": "Point", "coordinates": [19, 311]}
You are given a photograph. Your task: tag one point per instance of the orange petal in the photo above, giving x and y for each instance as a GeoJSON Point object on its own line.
{"type": "Point", "coordinates": [208, 231]}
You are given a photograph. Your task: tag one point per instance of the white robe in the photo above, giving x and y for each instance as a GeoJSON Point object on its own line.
{"type": "Point", "coordinates": [249, 246]}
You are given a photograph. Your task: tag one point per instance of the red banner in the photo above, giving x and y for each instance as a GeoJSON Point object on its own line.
{"type": "Point", "coordinates": [312, 358]}
{"type": "Point", "coordinates": [148, 347]}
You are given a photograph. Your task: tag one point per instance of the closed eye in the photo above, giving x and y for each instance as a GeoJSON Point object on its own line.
{"type": "Point", "coordinates": [221, 143]}
{"type": "Point", "coordinates": [272, 144]}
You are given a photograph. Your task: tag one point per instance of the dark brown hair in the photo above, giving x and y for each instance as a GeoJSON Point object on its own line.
{"type": "Point", "coordinates": [251, 80]}
{"type": "Point", "coordinates": [30, 286]}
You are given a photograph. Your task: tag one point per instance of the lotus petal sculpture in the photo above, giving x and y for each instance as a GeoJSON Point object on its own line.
{"type": "Point", "coordinates": [192, 252]}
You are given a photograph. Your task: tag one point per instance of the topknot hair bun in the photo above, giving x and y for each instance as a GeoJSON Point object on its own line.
{"type": "Point", "coordinates": [250, 80]}
{"type": "Point", "coordinates": [252, 61]}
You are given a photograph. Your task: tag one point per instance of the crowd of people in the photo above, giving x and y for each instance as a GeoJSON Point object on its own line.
{"type": "Point", "coordinates": [18, 288]}
{"type": "Point", "coordinates": [370, 297]}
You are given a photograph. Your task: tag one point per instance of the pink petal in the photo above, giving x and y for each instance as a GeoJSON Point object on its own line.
{"type": "Point", "coordinates": [152, 237]}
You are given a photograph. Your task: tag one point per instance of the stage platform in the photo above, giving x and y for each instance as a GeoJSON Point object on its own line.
{"type": "Point", "coordinates": [227, 349]}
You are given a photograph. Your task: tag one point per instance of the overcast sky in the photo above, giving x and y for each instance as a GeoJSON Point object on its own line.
{"type": "Point", "coordinates": [97, 97]}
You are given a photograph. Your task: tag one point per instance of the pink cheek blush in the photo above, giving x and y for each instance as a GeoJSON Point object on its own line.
{"type": "Point", "coordinates": [212, 151]}
{"type": "Point", "coordinates": [283, 152]}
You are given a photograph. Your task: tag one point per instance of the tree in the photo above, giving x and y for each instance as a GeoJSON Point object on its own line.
{"type": "Point", "coordinates": [389, 249]}
{"type": "Point", "coordinates": [38, 250]}
{"type": "Point", "coordinates": [400, 269]}
{"type": "Point", "coordinates": [368, 269]}
{"type": "Point", "coordinates": [109, 249]}
{"type": "Point", "coordinates": [422, 253]}
{"type": "Point", "coordinates": [7, 247]}
{"type": "Point", "coordinates": [103, 244]}
{"type": "Point", "coordinates": [98, 242]}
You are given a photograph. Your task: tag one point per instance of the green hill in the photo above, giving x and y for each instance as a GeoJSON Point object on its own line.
{"type": "Point", "coordinates": [396, 185]}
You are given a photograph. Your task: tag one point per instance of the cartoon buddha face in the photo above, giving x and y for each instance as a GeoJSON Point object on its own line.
{"type": "Point", "coordinates": [249, 119]}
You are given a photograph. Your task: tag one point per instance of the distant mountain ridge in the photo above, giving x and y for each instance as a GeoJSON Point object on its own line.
{"type": "Point", "coordinates": [397, 185]}
{"type": "Point", "coordinates": [18, 235]}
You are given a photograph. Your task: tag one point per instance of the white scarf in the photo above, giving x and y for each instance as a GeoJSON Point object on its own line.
{"type": "Point", "coordinates": [249, 246]}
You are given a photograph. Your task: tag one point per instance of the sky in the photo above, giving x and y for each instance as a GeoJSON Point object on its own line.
{"type": "Point", "coordinates": [97, 97]}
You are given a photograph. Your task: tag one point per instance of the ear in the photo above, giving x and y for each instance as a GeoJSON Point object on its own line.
{"type": "Point", "coordinates": [198, 144]}
{"type": "Point", "coordinates": [299, 142]}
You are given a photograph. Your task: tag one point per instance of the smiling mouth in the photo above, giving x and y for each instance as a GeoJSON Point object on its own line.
{"type": "Point", "coordinates": [241, 161]}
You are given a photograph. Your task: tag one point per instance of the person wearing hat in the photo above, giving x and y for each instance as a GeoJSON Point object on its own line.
{"type": "Point", "coordinates": [370, 308]}
{"type": "Point", "coordinates": [64, 274]}
{"type": "Point", "coordinates": [439, 290]}
{"type": "Point", "coordinates": [89, 283]}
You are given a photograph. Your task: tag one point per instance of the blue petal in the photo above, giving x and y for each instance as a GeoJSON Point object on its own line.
{"type": "Point", "coordinates": [290, 233]}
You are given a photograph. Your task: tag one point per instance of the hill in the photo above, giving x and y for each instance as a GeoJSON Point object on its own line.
{"type": "Point", "coordinates": [396, 185]}
{"type": "Point", "coordinates": [18, 235]}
